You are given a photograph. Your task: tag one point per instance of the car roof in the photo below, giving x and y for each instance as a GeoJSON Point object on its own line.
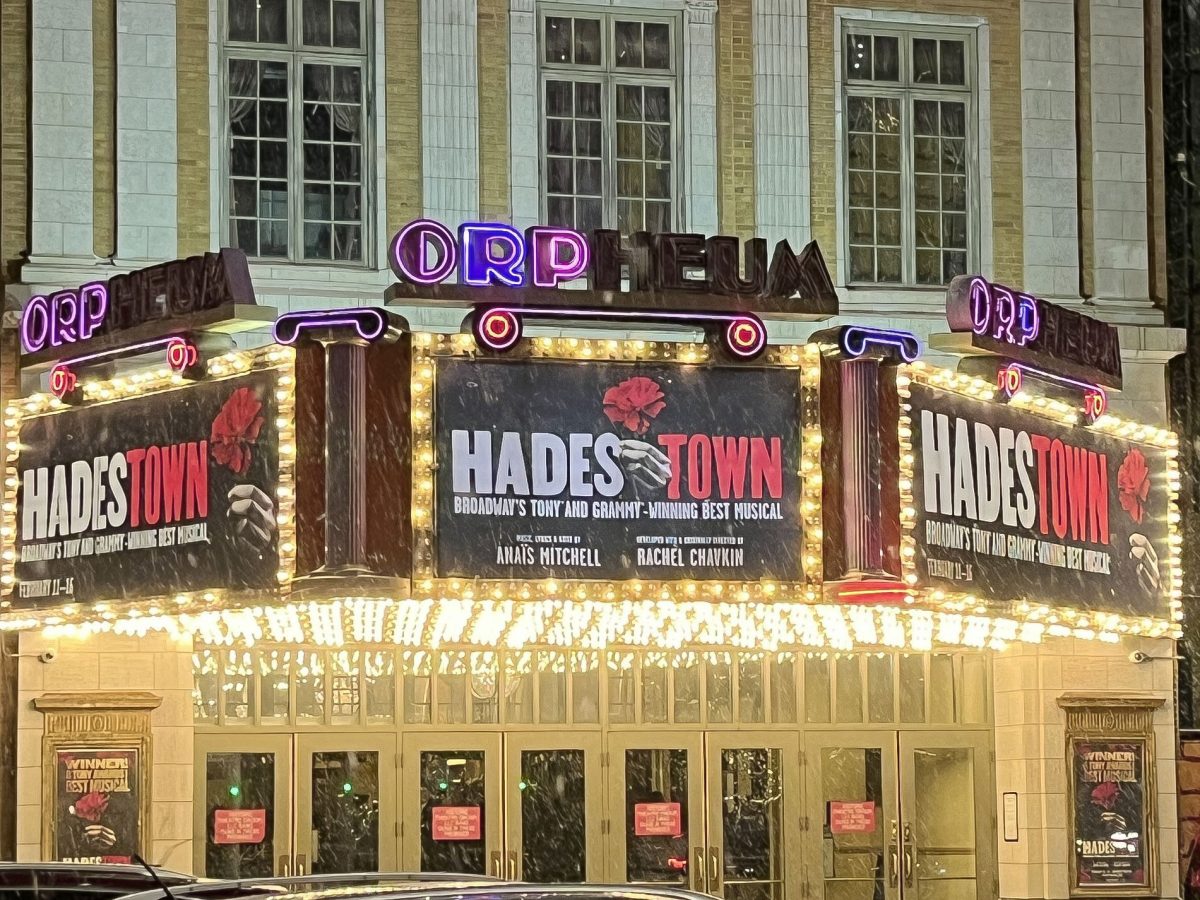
{"type": "Point", "coordinates": [62, 873]}
{"type": "Point", "coordinates": [433, 886]}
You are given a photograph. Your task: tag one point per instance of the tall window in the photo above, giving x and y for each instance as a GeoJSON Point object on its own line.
{"type": "Point", "coordinates": [609, 124]}
{"type": "Point", "coordinates": [909, 111]}
{"type": "Point", "coordinates": [294, 83]}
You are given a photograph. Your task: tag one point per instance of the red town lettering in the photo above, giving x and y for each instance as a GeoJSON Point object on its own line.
{"type": "Point", "coordinates": [729, 456]}
{"type": "Point", "coordinates": [974, 471]}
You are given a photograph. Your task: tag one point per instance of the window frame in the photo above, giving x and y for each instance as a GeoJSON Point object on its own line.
{"type": "Point", "coordinates": [906, 92]}
{"type": "Point", "coordinates": [294, 54]}
{"type": "Point", "coordinates": [610, 77]}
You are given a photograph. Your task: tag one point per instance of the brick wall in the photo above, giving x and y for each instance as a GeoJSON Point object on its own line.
{"type": "Point", "coordinates": [14, 135]}
{"type": "Point", "coordinates": [735, 118]}
{"type": "Point", "coordinates": [493, 112]}
{"type": "Point", "coordinates": [402, 46]}
{"type": "Point", "coordinates": [191, 114]}
{"type": "Point", "coordinates": [1005, 83]}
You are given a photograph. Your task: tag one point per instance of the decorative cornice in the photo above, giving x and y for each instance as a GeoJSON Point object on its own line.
{"type": "Point", "coordinates": [102, 700]}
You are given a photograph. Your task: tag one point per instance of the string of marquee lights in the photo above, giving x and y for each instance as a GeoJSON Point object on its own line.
{"type": "Point", "coordinates": [1057, 621]}
{"type": "Point", "coordinates": [145, 384]}
{"type": "Point", "coordinates": [579, 625]}
{"type": "Point", "coordinates": [429, 347]}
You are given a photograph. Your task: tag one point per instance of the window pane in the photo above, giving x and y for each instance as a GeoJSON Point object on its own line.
{"type": "Point", "coordinates": [628, 47]}
{"type": "Point", "coordinates": [558, 98]}
{"type": "Point", "coordinates": [925, 61]}
{"type": "Point", "coordinates": [347, 27]}
{"type": "Point", "coordinates": [951, 65]}
{"type": "Point", "coordinates": [243, 198]}
{"type": "Point", "coordinates": [273, 159]}
{"type": "Point", "coordinates": [272, 21]}
{"type": "Point", "coordinates": [657, 38]}
{"type": "Point", "coordinates": [558, 39]}
{"type": "Point", "coordinates": [816, 689]}
{"type": "Point", "coordinates": [887, 59]}
{"type": "Point", "coordinates": [273, 238]}
{"type": "Point", "coordinates": [587, 100]}
{"type": "Point", "coordinates": [274, 80]}
{"type": "Point", "coordinates": [243, 20]}
{"type": "Point", "coordinates": [858, 56]}
{"type": "Point", "coordinates": [244, 233]}
{"type": "Point", "coordinates": [587, 42]}
{"type": "Point", "coordinates": [954, 119]}
{"type": "Point", "coordinates": [316, 23]}
{"type": "Point", "coordinates": [316, 240]}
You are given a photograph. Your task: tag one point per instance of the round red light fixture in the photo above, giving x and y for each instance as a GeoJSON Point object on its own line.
{"type": "Point", "coordinates": [497, 329]}
{"type": "Point", "coordinates": [745, 337]}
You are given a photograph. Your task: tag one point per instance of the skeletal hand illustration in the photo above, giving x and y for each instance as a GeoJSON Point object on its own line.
{"type": "Point", "coordinates": [1142, 552]}
{"type": "Point", "coordinates": [644, 462]}
{"type": "Point", "coordinates": [100, 835]}
{"type": "Point", "coordinates": [252, 514]}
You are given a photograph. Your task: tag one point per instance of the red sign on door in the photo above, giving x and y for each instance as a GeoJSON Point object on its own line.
{"type": "Point", "coordinates": [239, 826]}
{"type": "Point", "coordinates": [457, 823]}
{"type": "Point", "coordinates": [657, 820]}
{"type": "Point", "coordinates": [851, 818]}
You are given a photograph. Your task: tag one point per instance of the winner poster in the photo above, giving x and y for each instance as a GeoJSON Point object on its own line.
{"type": "Point", "coordinates": [613, 470]}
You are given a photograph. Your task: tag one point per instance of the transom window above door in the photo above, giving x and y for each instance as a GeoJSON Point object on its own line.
{"type": "Point", "coordinates": [293, 89]}
{"type": "Point", "coordinates": [908, 143]}
{"type": "Point", "coordinates": [609, 98]}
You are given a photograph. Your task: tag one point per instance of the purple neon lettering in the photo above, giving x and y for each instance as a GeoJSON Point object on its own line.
{"type": "Point", "coordinates": [411, 247]}
{"type": "Point", "coordinates": [1030, 320]}
{"type": "Point", "coordinates": [64, 318]}
{"type": "Point", "coordinates": [981, 304]}
{"type": "Point", "coordinates": [93, 307]}
{"type": "Point", "coordinates": [1006, 314]}
{"type": "Point", "coordinates": [35, 324]}
{"type": "Point", "coordinates": [547, 265]}
{"type": "Point", "coordinates": [490, 253]}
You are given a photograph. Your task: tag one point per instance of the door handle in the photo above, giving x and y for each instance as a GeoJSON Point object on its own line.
{"type": "Point", "coordinates": [497, 864]}
{"type": "Point", "coordinates": [512, 865]}
{"type": "Point", "coordinates": [908, 856]}
{"type": "Point", "coordinates": [698, 869]}
{"type": "Point", "coordinates": [284, 865]}
{"type": "Point", "coordinates": [894, 856]}
{"type": "Point", "coordinates": [301, 864]}
{"type": "Point", "coordinates": [714, 870]}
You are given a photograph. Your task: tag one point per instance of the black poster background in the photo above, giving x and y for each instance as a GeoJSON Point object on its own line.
{"type": "Point", "coordinates": [1002, 579]}
{"type": "Point", "coordinates": [97, 810]}
{"type": "Point", "coordinates": [169, 417]}
{"type": "Point", "coordinates": [567, 397]}
{"type": "Point", "coordinates": [1109, 801]}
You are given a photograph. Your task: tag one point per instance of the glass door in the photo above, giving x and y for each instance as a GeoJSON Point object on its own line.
{"type": "Point", "coordinates": [345, 803]}
{"type": "Point", "coordinates": [752, 780]}
{"type": "Point", "coordinates": [947, 845]}
{"type": "Point", "coordinates": [245, 816]}
{"type": "Point", "coordinates": [553, 808]}
{"type": "Point", "coordinates": [450, 803]}
{"type": "Point", "coordinates": [853, 820]}
{"type": "Point", "coordinates": [656, 808]}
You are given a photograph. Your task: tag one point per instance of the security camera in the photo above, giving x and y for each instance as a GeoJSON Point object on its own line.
{"type": "Point", "coordinates": [1137, 656]}
{"type": "Point", "coordinates": [47, 656]}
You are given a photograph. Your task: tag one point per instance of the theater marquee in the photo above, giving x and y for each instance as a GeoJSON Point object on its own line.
{"type": "Point", "coordinates": [593, 463]}
{"type": "Point", "coordinates": [1015, 503]}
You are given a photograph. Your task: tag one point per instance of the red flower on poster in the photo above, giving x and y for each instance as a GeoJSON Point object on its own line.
{"type": "Point", "coordinates": [1133, 484]}
{"type": "Point", "coordinates": [633, 403]}
{"type": "Point", "coordinates": [1105, 794]}
{"type": "Point", "coordinates": [90, 807]}
{"type": "Point", "coordinates": [235, 430]}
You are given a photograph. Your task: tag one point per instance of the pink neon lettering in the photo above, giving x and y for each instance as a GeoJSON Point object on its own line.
{"type": "Point", "coordinates": [35, 324]}
{"type": "Point", "coordinates": [93, 302]}
{"type": "Point", "coordinates": [64, 318]}
{"type": "Point", "coordinates": [555, 255]}
{"type": "Point", "coordinates": [415, 244]}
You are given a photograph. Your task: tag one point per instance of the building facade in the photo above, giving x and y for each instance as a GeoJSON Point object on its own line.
{"type": "Point", "coordinates": [1013, 140]}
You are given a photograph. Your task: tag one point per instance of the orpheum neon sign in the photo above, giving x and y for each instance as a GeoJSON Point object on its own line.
{"type": "Point", "coordinates": [426, 252]}
{"type": "Point", "coordinates": [172, 290]}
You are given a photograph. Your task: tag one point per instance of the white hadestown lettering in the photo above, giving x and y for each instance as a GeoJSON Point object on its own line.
{"type": "Point", "coordinates": [985, 474]}
{"type": "Point", "coordinates": [551, 466]}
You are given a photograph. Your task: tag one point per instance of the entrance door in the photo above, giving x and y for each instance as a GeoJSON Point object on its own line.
{"type": "Point", "coordinates": [853, 819]}
{"type": "Point", "coordinates": [553, 808]}
{"type": "Point", "coordinates": [345, 803]}
{"type": "Point", "coordinates": [656, 807]}
{"type": "Point", "coordinates": [245, 816]}
{"type": "Point", "coordinates": [947, 847]}
{"type": "Point", "coordinates": [900, 816]}
{"type": "Point", "coordinates": [450, 799]}
{"type": "Point", "coordinates": [752, 780]}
